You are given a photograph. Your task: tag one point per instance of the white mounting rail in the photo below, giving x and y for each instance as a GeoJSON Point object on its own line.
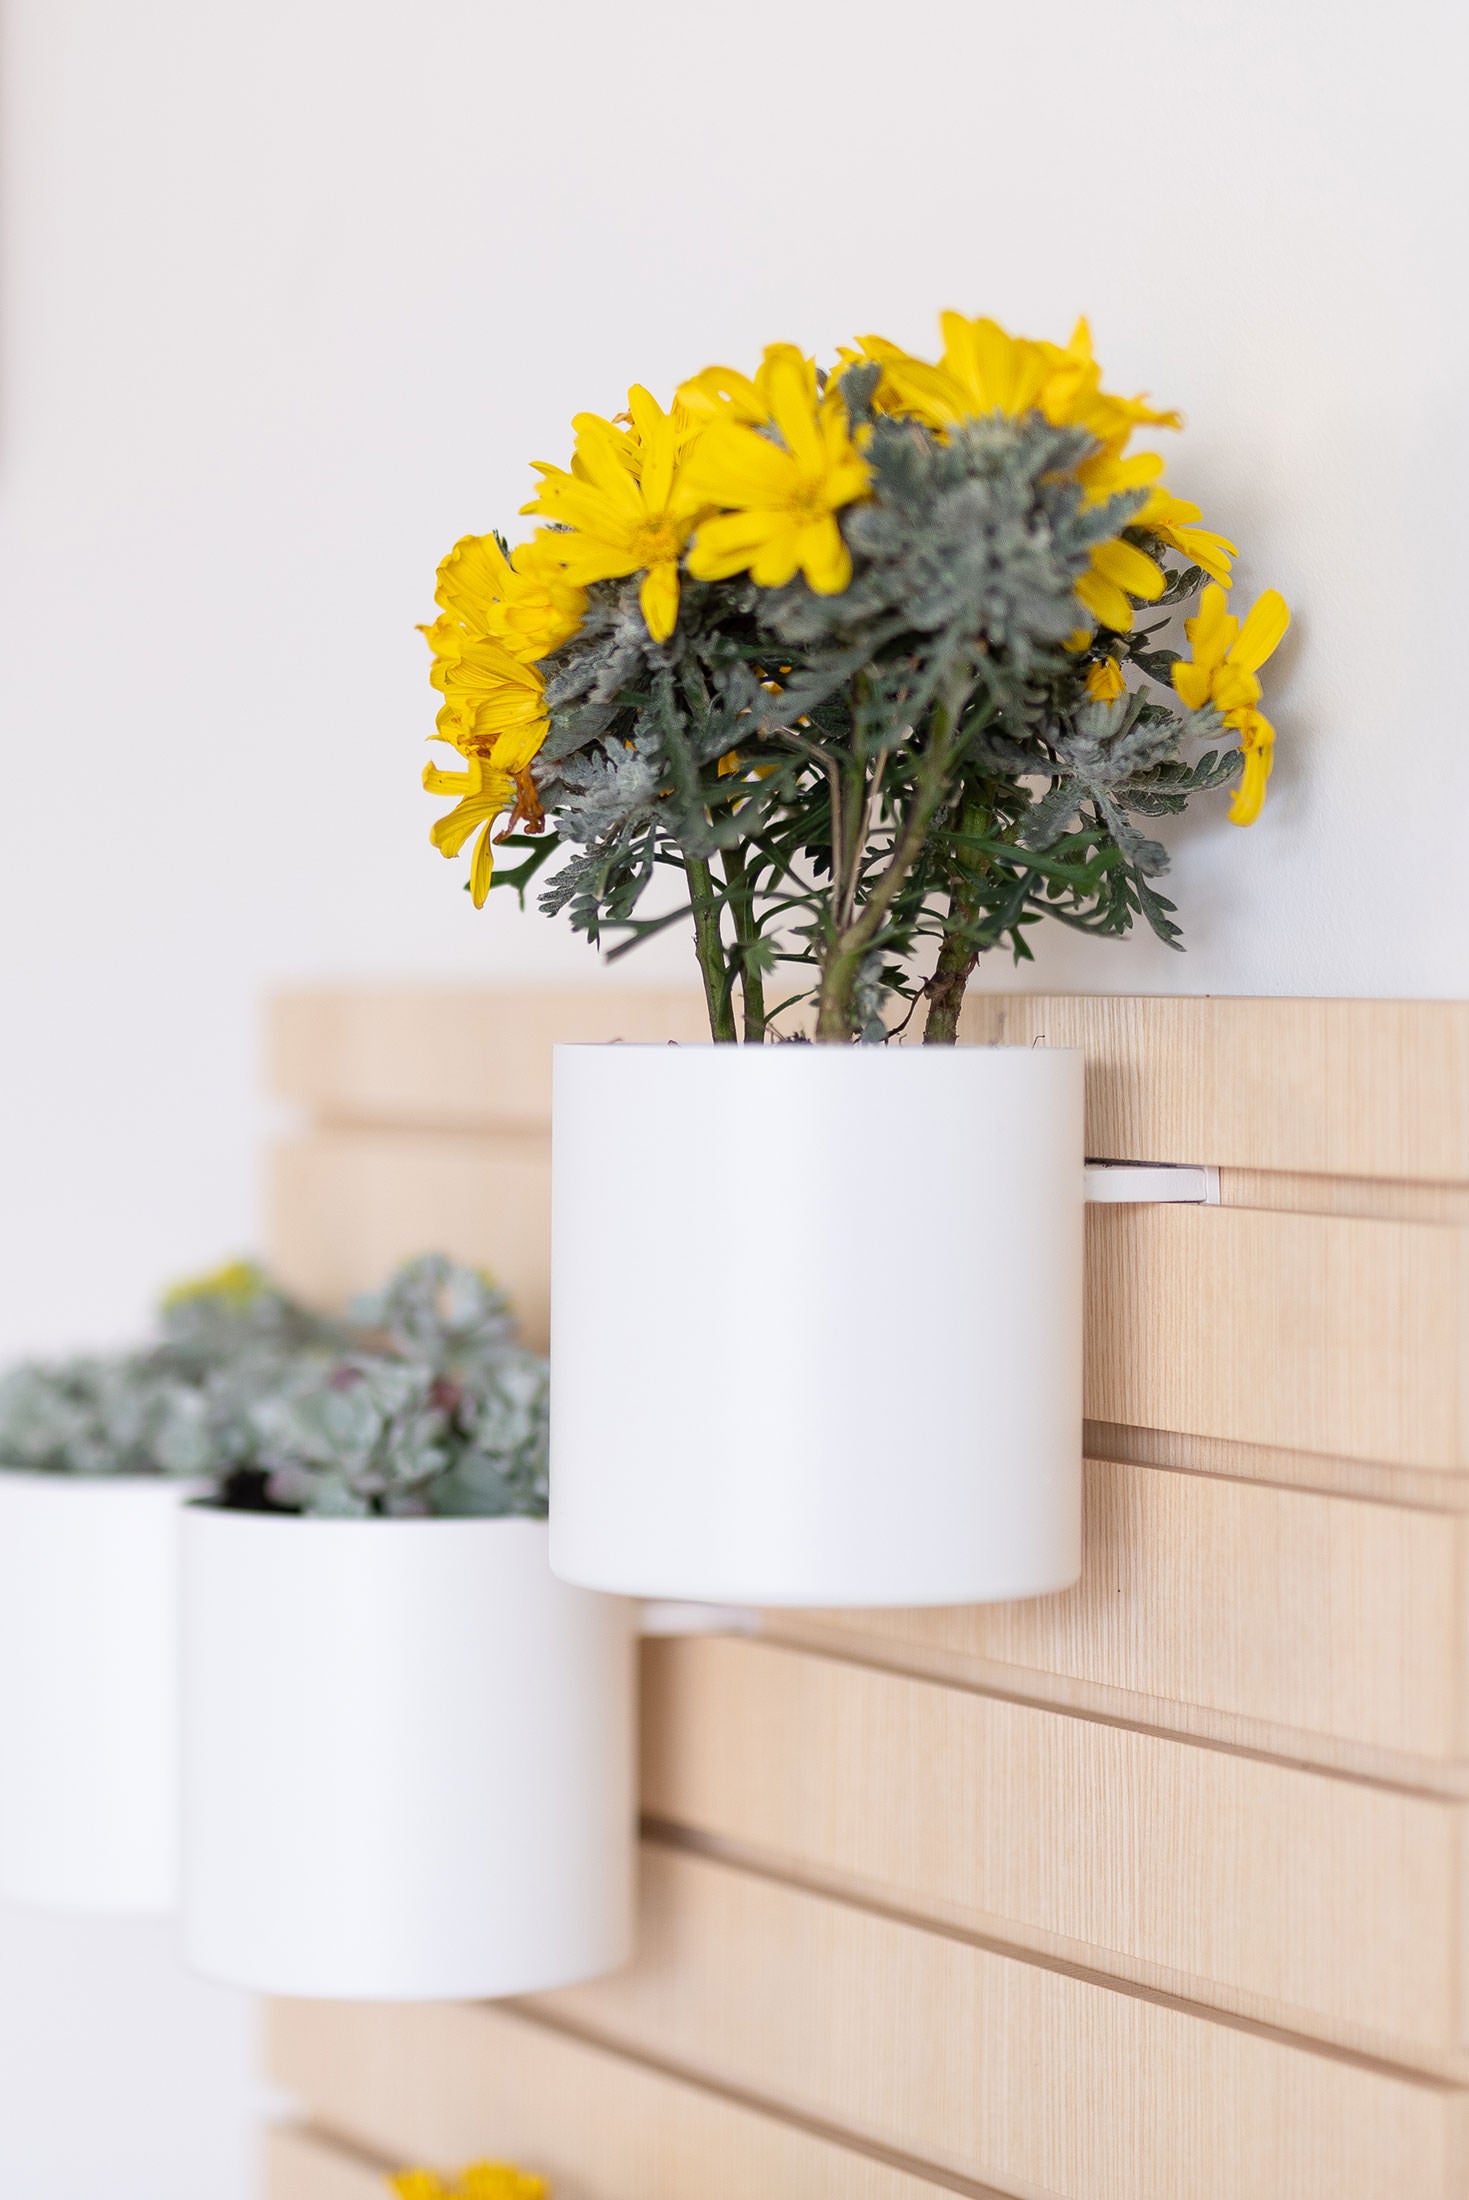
{"type": "Point", "coordinates": [1141, 1183]}
{"type": "Point", "coordinates": [698, 1619]}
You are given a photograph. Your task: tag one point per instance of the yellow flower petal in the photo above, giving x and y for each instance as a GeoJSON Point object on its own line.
{"type": "Point", "coordinates": [1262, 631]}
{"type": "Point", "coordinates": [1130, 568]}
{"type": "Point", "coordinates": [482, 868]}
{"type": "Point", "coordinates": [1191, 683]}
{"type": "Point", "coordinates": [1212, 629]}
{"type": "Point", "coordinates": [825, 559]}
{"type": "Point", "coordinates": [1257, 738]}
{"type": "Point", "coordinates": [1105, 601]}
{"type": "Point", "coordinates": [659, 599]}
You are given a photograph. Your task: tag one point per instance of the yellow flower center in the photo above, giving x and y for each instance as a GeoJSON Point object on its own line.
{"type": "Point", "coordinates": [810, 498]}
{"type": "Point", "coordinates": [658, 541]}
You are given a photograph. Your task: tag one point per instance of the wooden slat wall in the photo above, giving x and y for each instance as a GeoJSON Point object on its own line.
{"type": "Point", "coordinates": [1151, 1889]}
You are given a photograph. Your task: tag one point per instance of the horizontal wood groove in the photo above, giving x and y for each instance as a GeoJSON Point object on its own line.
{"type": "Point", "coordinates": [782, 1632]}
{"type": "Point", "coordinates": [1443, 2074]}
{"type": "Point", "coordinates": [543, 2013]}
{"type": "Point", "coordinates": [1311, 1333]}
{"type": "Point", "coordinates": [1370, 1199]}
{"type": "Point", "coordinates": [1392, 1772]}
{"type": "Point", "coordinates": [437, 2083]}
{"type": "Point", "coordinates": [1370, 1089]}
{"type": "Point", "coordinates": [1177, 1865]}
{"type": "Point", "coordinates": [1374, 1481]}
{"type": "Point", "coordinates": [820, 2008]}
{"type": "Point", "coordinates": [1377, 1090]}
{"type": "Point", "coordinates": [1284, 1622]}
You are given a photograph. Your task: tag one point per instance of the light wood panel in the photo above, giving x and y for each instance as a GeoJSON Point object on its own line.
{"type": "Point", "coordinates": [1313, 1332]}
{"type": "Point", "coordinates": [346, 1205]}
{"type": "Point", "coordinates": [302, 2165]}
{"type": "Point", "coordinates": [1349, 1088]}
{"type": "Point", "coordinates": [435, 2084]}
{"type": "Point", "coordinates": [1195, 1870]}
{"type": "Point", "coordinates": [1274, 1619]}
{"type": "Point", "coordinates": [1033, 2079]}
{"type": "Point", "coordinates": [1153, 1890]}
{"type": "Point", "coordinates": [1332, 1088]}
{"type": "Point", "coordinates": [457, 1058]}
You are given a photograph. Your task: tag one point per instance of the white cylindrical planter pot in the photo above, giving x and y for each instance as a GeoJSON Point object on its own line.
{"type": "Point", "coordinates": [89, 1690]}
{"type": "Point", "coordinates": [816, 1322]}
{"type": "Point", "coordinates": [408, 1759]}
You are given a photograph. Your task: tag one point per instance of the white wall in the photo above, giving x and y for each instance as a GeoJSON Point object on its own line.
{"type": "Point", "coordinates": [293, 290]}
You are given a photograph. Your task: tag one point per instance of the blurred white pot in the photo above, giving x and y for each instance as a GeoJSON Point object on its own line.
{"type": "Point", "coordinates": [408, 1759]}
{"type": "Point", "coordinates": [89, 1690]}
{"type": "Point", "coordinates": [816, 1322]}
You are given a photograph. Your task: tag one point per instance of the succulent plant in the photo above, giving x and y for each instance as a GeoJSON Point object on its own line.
{"type": "Point", "coordinates": [421, 1401]}
{"type": "Point", "coordinates": [434, 1408]}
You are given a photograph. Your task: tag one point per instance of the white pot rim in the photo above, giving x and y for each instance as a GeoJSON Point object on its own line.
{"type": "Point", "coordinates": [138, 1485]}
{"type": "Point", "coordinates": [809, 1050]}
{"type": "Point", "coordinates": [262, 1522]}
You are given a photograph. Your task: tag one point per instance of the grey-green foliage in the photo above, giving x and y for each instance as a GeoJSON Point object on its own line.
{"type": "Point", "coordinates": [434, 1408]}
{"type": "Point", "coordinates": [179, 1406]}
{"type": "Point", "coordinates": [420, 1402]}
{"type": "Point", "coordinates": [919, 759]}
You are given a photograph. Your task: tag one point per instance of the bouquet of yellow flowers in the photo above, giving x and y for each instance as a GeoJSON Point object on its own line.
{"type": "Point", "coordinates": [856, 655]}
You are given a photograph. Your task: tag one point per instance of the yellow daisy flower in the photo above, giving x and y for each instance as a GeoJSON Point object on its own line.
{"type": "Point", "coordinates": [722, 393]}
{"type": "Point", "coordinates": [481, 2181]}
{"type": "Point", "coordinates": [1175, 521]}
{"type": "Point", "coordinates": [500, 2181]}
{"type": "Point", "coordinates": [486, 791]}
{"type": "Point", "coordinates": [498, 615]}
{"type": "Point", "coordinates": [777, 502]}
{"type": "Point", "coordinates": [1104, 681]}
{"type": "Point", "coordinates": [984, 369]}
{"type": "Point", "coordinates": [494, 705]}
{"type": "Point", "coordinates": [239, 1283]}
{"type": "Point", "coordinates": [1227, 655]}
{"type": "Point", "coordinates": [525, 601]}
{"type": "Point", "coordinates": [624, 505]}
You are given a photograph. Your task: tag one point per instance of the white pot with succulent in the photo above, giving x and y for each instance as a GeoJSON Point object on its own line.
{"type": "Point", "coordinates": [854, 657]}
{"type": "Point", "coordinates": [408, 1759]}
{"type": "Point", "coordinates": [97, 1459]}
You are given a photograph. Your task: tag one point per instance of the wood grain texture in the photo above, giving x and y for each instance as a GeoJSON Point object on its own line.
{"type": "Point", "coordinates": [460, 1058]}
{"type": "Point", "coordinates": [1350, 1088]}
{"type": "Point", "coordinates": [1031, 2079]}
{"type": "Point", "coordinates": [1373, 1198]}
{"type": "Point", "coordinates": [345, 1205]}
{"type": "Point", "coordinates": [303, 2165]}
{"type": "Point", "coordinates": [446, 2085]}
{"type": "Point", "coordinates": [1287, 1896]}
{"type": "Point", "coordinates": [1315, 1333]}
{"type": "Point", "coordinates": [1333, 1088]}
{"type": "Point", "coordinates": [1274, 1619]}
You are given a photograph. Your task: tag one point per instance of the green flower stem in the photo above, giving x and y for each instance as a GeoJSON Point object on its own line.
{"type": "Point", "coordinates": [957, 957]}
{"type": "Point", "coordinates": [747, 935]}
{"type": "Point", "coordinates": [710, 949]}
{"type": "Point", "coordinates": [842, 963]}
